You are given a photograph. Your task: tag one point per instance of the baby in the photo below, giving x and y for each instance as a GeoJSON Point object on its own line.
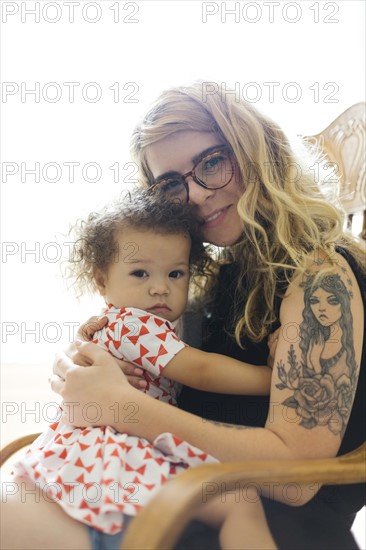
{"type": "Point", "coordinates": [141, 255]}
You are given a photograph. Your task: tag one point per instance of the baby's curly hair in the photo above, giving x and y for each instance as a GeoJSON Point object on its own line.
{"type": "Point", "coordinates": [95, 239]}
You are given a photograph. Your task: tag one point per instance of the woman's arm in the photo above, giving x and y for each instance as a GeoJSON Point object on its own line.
{"type": "Point", "coordinates": [218, 373]}
{"type": "Point", "coordinates": [104, 385]}
{"type": "Point", "coordinates": [286, 434]}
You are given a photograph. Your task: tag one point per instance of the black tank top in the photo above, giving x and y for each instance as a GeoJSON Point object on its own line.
{"type": "Point", "coordinates": [217, 337]}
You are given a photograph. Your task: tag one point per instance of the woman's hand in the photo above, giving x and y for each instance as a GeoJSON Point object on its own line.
{"type": "Point", "coordinates": [272, 344]}
{"type": "Point", "coordinates": [86, 333]}
{"type": "Point", "coordinates": [91, 395]}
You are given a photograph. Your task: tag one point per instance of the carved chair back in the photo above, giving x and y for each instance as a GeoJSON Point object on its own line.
{"type": "Point", "coordinates": [343, 143]}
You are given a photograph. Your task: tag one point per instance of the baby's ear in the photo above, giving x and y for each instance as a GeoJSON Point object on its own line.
{"type": "Point", "coordinates": [100, 279]}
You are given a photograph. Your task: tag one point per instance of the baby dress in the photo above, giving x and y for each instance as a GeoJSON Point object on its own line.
{"type": "Point", "coordinates": [97, 474]}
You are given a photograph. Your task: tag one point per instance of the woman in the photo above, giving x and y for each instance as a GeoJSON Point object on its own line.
{"type": "Point", "coordinates": [255, 200]}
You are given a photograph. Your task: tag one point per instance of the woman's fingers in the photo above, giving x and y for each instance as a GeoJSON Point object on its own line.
{"type": "Point", "coordinates": [62, 365]}
{"type": "Point", "coordinates": [94, 354]}
{"type": "Point", "coordinates": [80, 360]}
{"type": "Point", "coordinates": [129, 369]}
{"type": "Point", "coordinates": [97, 356]}
{"type": "Point", "coordinates": [272, 344]}
{"type": "Point", "coordinates": [137, 382]}
{"type": "Point", "coordinates": [102, 384]}
{"type": "Point", "coordinates": [57, 384]}
{"type": "Point", "coordinates": [273, 337]}
{"type": "Point", "coordinates": [133, 374]}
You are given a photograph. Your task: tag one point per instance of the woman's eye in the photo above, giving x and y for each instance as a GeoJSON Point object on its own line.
{"type": "Point", "coordinates": [212, 163]}
{"type": "Point", "coordinates": [140, 273]}
{"type": "Point", "coordinates": [333, 301]}
{"type": "Point", "coordinates": [172, 186]}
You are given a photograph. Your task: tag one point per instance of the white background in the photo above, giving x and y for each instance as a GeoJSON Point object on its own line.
{"type": "Point", "coordinates": [312, 51]}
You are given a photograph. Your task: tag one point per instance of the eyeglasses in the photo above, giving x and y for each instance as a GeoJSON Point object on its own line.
{"type": "Point", "coordinates": [213, 171]}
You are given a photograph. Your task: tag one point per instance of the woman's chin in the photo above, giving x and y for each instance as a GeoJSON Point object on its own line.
{"type": "Point", "coordinates": [218, 238]}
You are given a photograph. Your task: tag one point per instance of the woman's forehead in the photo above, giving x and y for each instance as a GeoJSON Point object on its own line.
{"type": "Point", "coordinates": [176, 152]}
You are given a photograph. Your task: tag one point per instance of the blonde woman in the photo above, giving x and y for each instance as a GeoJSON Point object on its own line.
{"type": "Point", "coordinates": [257, 201]}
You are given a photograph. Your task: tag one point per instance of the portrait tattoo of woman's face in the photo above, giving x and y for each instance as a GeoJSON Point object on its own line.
{"type": "Point", "coordinates": [323, 381]}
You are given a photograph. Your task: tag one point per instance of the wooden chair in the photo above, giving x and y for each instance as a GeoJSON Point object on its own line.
{"type": "Point", "coordinates": [343, 144]}
{"type": "Point", "coordinates": [159, 525]}
{"type": "Point", "coordinates": [15, 446]}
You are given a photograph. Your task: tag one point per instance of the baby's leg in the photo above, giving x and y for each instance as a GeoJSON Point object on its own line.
{"type": "Point", "coordinates": [31, 521]}
{"type": "Point", "coordinates": [241, 520]}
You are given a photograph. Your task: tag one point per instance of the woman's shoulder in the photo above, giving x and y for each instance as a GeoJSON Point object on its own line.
{"type": "Point", "coordinates": [328, 293]}
{"type": "Point", "coordinates": [358, 270]}
{"type": "Point", "coordinates": [338, 270]}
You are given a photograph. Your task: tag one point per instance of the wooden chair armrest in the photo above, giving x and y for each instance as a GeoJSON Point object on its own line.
{"type": "Point", "coordinates": [172, 514]}
{"type": "Point", "coordinates": [15, 446]}
{"type": "Point", "coordinates": [159, 525]}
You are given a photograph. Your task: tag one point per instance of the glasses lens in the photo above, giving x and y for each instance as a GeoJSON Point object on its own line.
{"type": "Point", "coordinates": [173, 188]}
{"type": "Point", "coordinates": [215, 170]}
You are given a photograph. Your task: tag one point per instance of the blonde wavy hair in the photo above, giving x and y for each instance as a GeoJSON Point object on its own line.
{"type": "Point", "coordinates": [285, 214]}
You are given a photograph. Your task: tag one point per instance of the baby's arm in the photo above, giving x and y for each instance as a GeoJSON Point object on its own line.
{"type": "Point", "coordinates": [217, 373]}
{"type": "Point", "coordinates": [139, 338]}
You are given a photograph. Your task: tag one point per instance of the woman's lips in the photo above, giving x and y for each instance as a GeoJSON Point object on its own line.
{"type": "Point", "coordinates": [215, 218]}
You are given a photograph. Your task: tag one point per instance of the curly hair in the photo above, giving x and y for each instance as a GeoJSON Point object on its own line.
{"type": "Point", "coordinates": [96, 238]}
{"type": "Point", "coordinates": [285, 214]}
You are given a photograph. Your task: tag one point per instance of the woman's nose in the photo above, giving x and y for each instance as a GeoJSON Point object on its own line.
{"type": "Point", "coordinates": [196, 193]}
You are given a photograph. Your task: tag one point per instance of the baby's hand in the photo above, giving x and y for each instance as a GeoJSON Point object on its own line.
{"type": "Point", "coordinates": [87, 330]}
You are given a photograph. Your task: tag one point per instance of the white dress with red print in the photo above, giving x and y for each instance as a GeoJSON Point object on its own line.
{"type": "Point", "coordinates": [97, 474]}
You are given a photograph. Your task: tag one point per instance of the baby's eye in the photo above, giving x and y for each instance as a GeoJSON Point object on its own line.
{"type": "Point", "coordinates": [176, 274]}
{"type": "Point", "coordinates": [140, 273]}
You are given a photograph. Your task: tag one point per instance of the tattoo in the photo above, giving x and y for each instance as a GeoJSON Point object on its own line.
{"type": "Point", "coordinates": [226, 425]}
{"type": "Point", "coordinates": [323, 387]}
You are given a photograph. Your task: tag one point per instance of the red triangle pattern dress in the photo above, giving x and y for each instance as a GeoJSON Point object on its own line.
{"type": "Point", "coordinates": [97, 474]}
